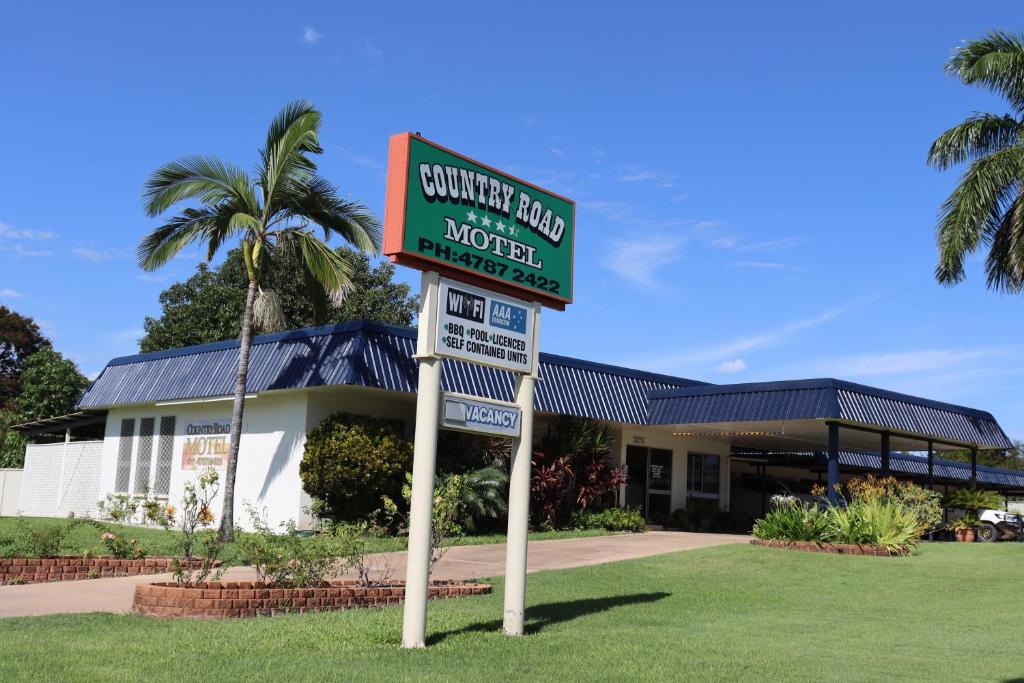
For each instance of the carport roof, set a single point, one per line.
(741, 405)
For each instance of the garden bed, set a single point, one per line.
(18, 570)
(837, 548)
(234, 599)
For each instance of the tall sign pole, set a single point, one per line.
(519, 500)
(421, 505)
(493, 249)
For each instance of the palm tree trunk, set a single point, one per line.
(227, 520)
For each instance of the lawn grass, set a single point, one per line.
(737, 613)
(157, 541)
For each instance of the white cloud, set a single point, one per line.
(658, 179)
(889, 363)
(682, 196)
(311, 36)
(702, 357)
(731, 366)
(10, 294)
(8, 232)
(358, 159)
(639, 261)
(21, 250)
(558, 153)
(94, 255)
(771, 245)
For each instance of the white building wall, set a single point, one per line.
(10, 491)
(273, 433)
(60, 479)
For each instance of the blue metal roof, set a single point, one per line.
(826, 399)
(905, 464)
(367, 354)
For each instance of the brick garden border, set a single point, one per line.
(234, 599)
(836, 548)
(17, 570)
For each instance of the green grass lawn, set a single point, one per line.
(737, 613)
(157, 541)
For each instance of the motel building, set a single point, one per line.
(151, 422)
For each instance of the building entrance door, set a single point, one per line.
(650, 481)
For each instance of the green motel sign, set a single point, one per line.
(448, 213)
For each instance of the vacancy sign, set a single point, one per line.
(483, 327)
(480, 416)
(464, 219)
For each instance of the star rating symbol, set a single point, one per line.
(485, 221)
(513, 231)
(471, 217)
(499, 226)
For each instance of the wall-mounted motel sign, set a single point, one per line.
(483, 327)
(451, 214)
(472, 414)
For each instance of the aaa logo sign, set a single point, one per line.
(446, 212)
(206, 444)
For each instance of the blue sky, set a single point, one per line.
(752, 199)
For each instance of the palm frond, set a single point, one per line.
(976, 137)
(968, 212)
(1004, 267)
(163, 243)
(205, 178)
(323, 264)
(293, 135)
(317, 201)
(995, 62)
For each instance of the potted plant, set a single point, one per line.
(963, 528)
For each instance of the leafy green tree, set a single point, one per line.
(286, 208)
(987, 206)
(50, 385)
(1010, 459)
(19, 338)
(207, 307)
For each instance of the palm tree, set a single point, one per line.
(987, 207)
(272, 215)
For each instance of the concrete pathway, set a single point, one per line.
(460, 562)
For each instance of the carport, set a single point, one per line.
(834, 421)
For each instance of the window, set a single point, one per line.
(702, 475)
(124, 455)
(164, 455)
(144, 454)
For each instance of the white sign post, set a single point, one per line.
(424, 456)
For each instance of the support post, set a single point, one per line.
(833, 461)
(519, 512)
(974, 465)
(421, 506)
(764, 488)
(519, 497)
(931, 478)
(885, 454)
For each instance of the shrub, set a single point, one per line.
(286, 559)
(925, 504)
(197, 532)
(571, 469)
(611, 519)
(791, 519)
(351, 462)
(38, 540)
(121, 547)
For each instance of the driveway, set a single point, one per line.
(461, 562)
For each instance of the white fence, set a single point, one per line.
(10, 491)
(61, 478)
